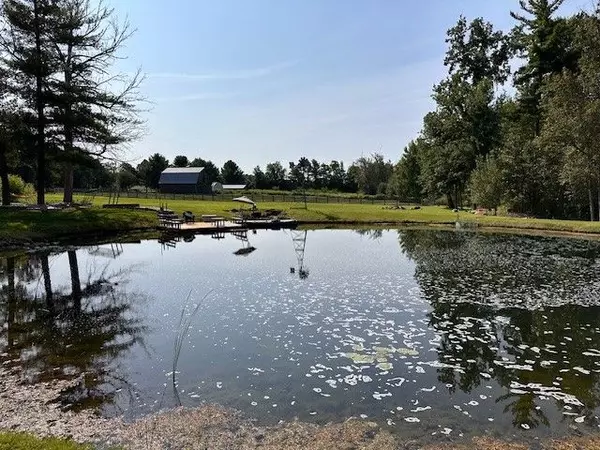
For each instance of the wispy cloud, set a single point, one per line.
(241, 74)
(196, 97)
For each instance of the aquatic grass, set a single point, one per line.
(183, 330)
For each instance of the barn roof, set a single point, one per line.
(180, 175)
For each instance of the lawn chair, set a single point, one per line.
(189, 217)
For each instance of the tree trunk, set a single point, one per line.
(449, 200)
(68, 188)
(39, 103)
(75, 281)
(11, 301)
(4, 176)
(68, 131)
(591, 200)
(598, 202)
(456, 204)
(47, 282)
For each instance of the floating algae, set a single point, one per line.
(379, 355)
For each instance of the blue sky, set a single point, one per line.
(264, 80)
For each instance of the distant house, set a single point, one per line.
(218, 188)
(234, 187)
(184, 180)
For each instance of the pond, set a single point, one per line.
(428, 332)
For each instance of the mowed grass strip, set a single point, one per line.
(36, 225)
(331, 213)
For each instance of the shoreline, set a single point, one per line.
(30, 408)
(101, 235)
(23, 229)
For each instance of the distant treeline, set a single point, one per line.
(368, 175)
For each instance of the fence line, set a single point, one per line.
(257, 197)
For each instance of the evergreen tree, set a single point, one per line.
(95, 110)
(232, 174)
(151, 168)
(181, 161)
(260, 179)
(30, 58)
(546, 42)
(211, 171)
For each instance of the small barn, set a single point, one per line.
(184, 180)
(218, 188)
(234, 187)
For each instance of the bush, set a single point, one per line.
(486, 184)
(18, 187)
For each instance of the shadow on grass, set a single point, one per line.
(327, 216)
(47, 224)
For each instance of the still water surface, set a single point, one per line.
(431, 333)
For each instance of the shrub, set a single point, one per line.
(18, 187)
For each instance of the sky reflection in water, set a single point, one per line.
(429, 332)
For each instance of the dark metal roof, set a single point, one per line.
(180, 175)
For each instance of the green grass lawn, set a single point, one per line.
(366, 214)
(39, 226)
(20, 441)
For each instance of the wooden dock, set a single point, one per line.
(210, 227)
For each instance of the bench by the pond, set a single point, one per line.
(169, 220)
(189, 217)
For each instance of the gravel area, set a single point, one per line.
(214, 427)
(30, 408)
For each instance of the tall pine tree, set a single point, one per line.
(546, 42)
(29, 57)
(96, 109)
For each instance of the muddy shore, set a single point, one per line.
(32, 409)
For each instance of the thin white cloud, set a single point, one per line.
(196, 97)
(241, 74)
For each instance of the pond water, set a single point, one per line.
(430, 333)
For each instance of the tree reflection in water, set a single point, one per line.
(76, 333)
(522, 311)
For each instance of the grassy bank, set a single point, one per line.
(19, 225)
(21, 441)
(357, 214)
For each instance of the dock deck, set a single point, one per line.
(209, 227)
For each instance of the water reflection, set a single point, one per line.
(76, 332)
(450, 330)
(521, 311)
(375, 234)
(299, 242)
